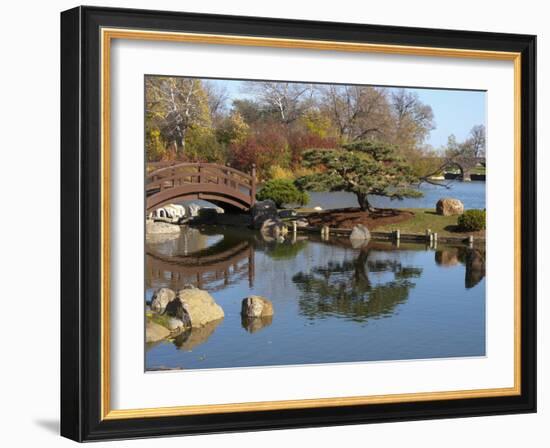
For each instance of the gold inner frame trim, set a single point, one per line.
(107, 35)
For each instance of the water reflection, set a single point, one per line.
(472, 258)
(255, 324)
(324, 292)
(207, 260)
(190, 339)
(345, 289)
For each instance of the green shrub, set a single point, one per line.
(472, 220)
(282, 191)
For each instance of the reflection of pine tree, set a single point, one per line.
(344, 289)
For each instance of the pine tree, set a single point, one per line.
(363, 168)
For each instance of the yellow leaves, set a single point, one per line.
(317, 123)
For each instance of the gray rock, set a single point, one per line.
(193, 210)
(256, 306)
(262, 211)
(449, 207)
(161, 298)
(360, 233)
(194, 307)
(155, 332)
(175, 324)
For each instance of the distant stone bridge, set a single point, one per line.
(465, 165)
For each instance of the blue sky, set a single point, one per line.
(455, 111)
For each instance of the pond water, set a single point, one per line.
(332, 302)
(472, 195)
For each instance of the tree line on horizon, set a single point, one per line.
(275, 123)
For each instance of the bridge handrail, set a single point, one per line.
(204, 175)
(214, 166)
(201, 180)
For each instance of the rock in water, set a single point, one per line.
(174, 324)
(360, 233)
(161, 298)
(262, 211)
(155, 332)
(194, 307)
(449, 207)
(256, 306)
(193, 210)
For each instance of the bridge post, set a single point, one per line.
(253, 186)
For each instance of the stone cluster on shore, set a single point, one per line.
(191, 309)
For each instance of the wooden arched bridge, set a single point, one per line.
(219, 184)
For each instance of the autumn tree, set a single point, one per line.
(413, 120)
(217, 97)
(287, 101)
(249, 110)
(358, 112)
(232, 129)
(363, 168)
(473, 146)
(174, 106)
(265, 147)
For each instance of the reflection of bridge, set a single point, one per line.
(209, 181)
(204, 271)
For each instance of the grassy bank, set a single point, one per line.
(427, 218)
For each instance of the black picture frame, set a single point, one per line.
(81, 209)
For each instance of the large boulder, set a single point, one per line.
(193, 210)
(194, 307)
(449, 207)
(256, 306)
(261, 211)
(156, 227)
(360, 233)
(175, 325)
(155, 332)
(161, 298)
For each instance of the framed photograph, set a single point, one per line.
(272, 224)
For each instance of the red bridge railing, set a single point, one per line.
(203, 181)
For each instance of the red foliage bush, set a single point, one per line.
(300, 141)
(265, 146)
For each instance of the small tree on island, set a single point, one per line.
(363, 168)
(282, 191)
